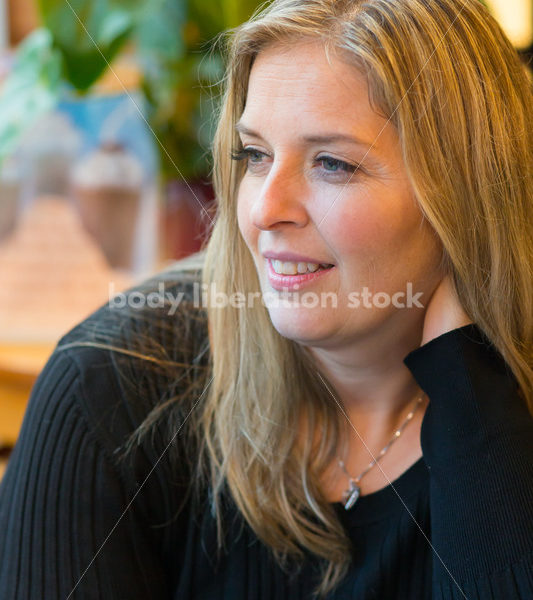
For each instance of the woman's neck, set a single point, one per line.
(370, 381)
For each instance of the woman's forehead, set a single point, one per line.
(307, 61)
(303, 91)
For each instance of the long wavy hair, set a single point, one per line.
(454, 88)
(450, 82)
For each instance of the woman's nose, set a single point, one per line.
(281, 200)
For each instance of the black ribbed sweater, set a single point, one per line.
(75, 523)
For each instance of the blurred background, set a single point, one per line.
(107, 112)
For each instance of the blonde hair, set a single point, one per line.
(453, 86)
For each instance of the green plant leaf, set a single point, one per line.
(31, 89)
(89, 34)
(115, 26)
(159, 33)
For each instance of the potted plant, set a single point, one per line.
(180, 74)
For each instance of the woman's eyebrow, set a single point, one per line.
(311, 139)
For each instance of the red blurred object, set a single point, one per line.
(186, 217)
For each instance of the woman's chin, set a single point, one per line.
(328, 327)
(300, 324)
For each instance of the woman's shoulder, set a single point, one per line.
(138, 353)
(98, 500)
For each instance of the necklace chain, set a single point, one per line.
(351, 495)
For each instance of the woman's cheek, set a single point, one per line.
(358, 233)
(243, 216)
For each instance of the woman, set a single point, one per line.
(353, 418)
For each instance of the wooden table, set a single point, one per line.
(20, 364)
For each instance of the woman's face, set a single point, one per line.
(302, 201)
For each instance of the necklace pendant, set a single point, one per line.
(351, 495)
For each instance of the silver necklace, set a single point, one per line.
(351, 495)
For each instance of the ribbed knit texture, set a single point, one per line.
(457, 524)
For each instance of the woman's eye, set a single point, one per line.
(333, 165)
(246, 153)
(329, 164)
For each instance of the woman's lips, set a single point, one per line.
(293, 282)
